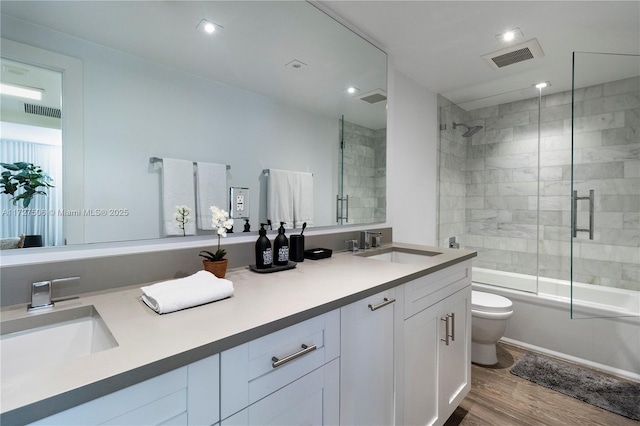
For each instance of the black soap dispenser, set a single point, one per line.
(264, 255)
(281, 248)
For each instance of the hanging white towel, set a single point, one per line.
(303, 199)
(290, 198)
(280, 198)
(197, 289)
(212, 191)
(178, 189)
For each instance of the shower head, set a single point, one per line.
(470, 130)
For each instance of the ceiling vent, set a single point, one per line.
(513, 54)
(42, 110)
(374, 96)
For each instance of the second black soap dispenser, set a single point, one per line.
(281, 248)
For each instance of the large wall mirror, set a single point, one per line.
(268, 89)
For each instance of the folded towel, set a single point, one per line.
(178, 189)
(303, 199)
(197, 289)
(212, 191)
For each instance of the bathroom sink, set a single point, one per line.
(400, 255)
(45, 340)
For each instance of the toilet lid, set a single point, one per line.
(487, 302)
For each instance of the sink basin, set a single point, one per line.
(45, 340)
(397, 255)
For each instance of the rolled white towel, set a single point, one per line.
(197, 289)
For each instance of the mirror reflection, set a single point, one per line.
(266, 91)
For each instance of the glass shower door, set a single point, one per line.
(605, 186)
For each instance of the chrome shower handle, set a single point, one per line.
(591, 215)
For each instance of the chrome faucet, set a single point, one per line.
(366, 241)
(41, 294)
(353, 245)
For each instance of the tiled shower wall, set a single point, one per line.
(502, 189)
(365, 173)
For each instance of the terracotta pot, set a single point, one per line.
(217, 267)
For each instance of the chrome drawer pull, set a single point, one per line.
(446, 329)
(453, 326)
(305, 350)
(382, 305)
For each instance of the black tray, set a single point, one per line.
(318, 253)
(274, 268)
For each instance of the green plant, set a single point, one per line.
(26, 176)
(214, 257)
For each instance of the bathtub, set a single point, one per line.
(604, 332)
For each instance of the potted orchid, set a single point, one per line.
(216, 262)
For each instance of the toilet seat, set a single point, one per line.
(490, 303)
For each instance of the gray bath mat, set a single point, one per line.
(618, 396)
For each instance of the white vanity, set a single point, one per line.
(346, 340)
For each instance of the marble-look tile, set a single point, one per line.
(482, 113)
(609, 120)
(620, 187)
(515, 161)
(505, 243)
(482, 215)
(610, 253)
(632, 169)
(603, 170)
(558, 187)
(610, 220)
(631, 220)
(556, 142)
(587, 139)
(518, 188)
(620, 237)
(507, 120)
(555, 158)
(518, 106)
(474, 203)
(524, 260)
(507, 203)
(611, 153)
(631, 272)
(547, 217)
(613, 103)
(482, 228)
(552, 173)
(632, 117)
(631, 84)
(517, 230)
(475, 164)
(493, 136)
(621, 136)
(555, 248)
(553, 113)
(524, 146)
(528, 174)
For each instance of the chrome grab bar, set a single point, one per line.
(305, 350)
(386, 301)
(575, 214)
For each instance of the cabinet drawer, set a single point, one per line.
(311, 400)
(248, 373)
(430, 289)
(156, 400)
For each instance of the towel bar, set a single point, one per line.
(159, 160)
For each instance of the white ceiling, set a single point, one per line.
(440, 43)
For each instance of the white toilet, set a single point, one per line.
(489, 314)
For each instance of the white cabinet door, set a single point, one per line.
(455, 359)
(437, 360)
(311, 400)
(420, 365)
(367, 360)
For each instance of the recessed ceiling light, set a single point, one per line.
(21, 91)
(510, 35)
(208, 26)
(542, 85)
(352, 90)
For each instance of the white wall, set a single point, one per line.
(412, 148)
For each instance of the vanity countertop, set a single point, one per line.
(150, 344)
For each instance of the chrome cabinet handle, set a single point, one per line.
(447, 335)
(305, 350)
(446, 329)
(386, 301)
(575, 213)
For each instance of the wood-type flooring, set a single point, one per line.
(498, 398)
